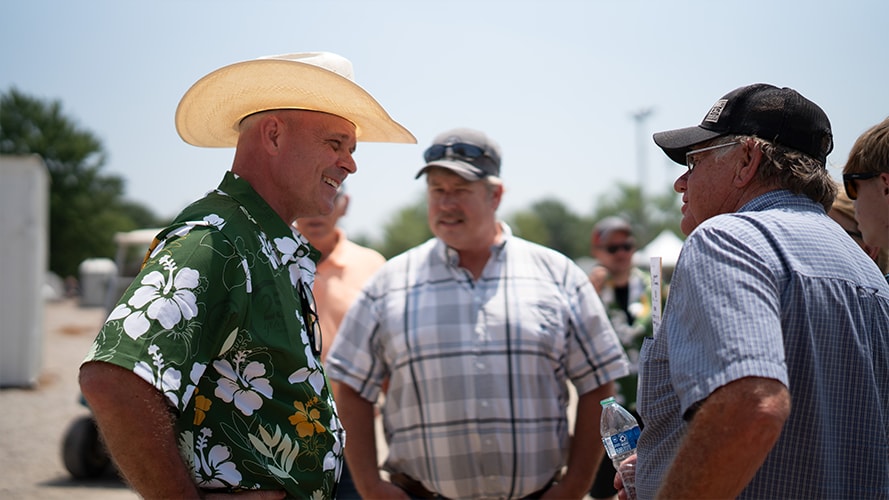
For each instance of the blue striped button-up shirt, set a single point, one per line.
(777, 290)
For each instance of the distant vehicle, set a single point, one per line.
(131, 249)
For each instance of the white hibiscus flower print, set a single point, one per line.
(167, 380)
(293, 253)
(197, 370)
(169, 299)
(295, 275)
(334, 458)
(289, 249)
(269, 251)
(215, 220)
(213, 468)
(312, 372)
(242, 386)
(246, 267)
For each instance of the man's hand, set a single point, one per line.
(598, 277)
(622, 493)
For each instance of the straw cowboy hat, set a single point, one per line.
(211, 110)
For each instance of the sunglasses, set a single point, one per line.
(849, 182)
(626, 247)
(461, 149)
(307, 302)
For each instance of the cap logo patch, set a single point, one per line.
(715, 111)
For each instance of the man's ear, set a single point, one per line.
(749, 166)
(342, 204)
(270, 130)
(497, 195)
(884, 185)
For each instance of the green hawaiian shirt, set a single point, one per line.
(216, 321)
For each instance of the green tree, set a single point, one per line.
(407, 228)
(648, 215)
(141, 215)
(552, 224)
(86, 207)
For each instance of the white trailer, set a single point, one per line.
(24, 262)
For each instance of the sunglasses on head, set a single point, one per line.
(461, 149)
(849, 182)
(626, 247)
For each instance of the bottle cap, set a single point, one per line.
(607, 401)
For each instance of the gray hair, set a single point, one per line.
(797, 172)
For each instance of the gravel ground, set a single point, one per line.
(34, 420)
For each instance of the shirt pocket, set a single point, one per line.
(654, 372)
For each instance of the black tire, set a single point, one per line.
(83, 452)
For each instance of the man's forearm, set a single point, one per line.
(728, 439)
(586, 448)
(137, 429)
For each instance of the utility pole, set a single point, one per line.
(639, 117)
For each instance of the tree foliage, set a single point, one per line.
(552, 224)
(649, 215)
(86, 207)
(549, 222)
(407, 228)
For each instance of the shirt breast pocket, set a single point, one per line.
(544, 324)
(654, 370)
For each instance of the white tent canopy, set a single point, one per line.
(666, 246)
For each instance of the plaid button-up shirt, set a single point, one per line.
(478, 369)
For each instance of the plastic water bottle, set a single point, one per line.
(620, 431)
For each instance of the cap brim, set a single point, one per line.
(676, 143)
(463, 169)
(211, 110)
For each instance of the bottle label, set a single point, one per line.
(621, 442)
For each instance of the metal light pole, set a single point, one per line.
(640, 117)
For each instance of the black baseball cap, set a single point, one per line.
(778, 115)
(467, 152)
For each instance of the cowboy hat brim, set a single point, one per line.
(211, 110)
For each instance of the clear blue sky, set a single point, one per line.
(554, 81)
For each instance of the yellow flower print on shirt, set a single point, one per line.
(306, 418)
(201, 407)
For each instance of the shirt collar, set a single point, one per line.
(451, 256)
(773, 199)
(262, 214)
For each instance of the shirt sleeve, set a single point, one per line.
(354, 357)
(166, 326)
(724, 321)
(594, 354)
